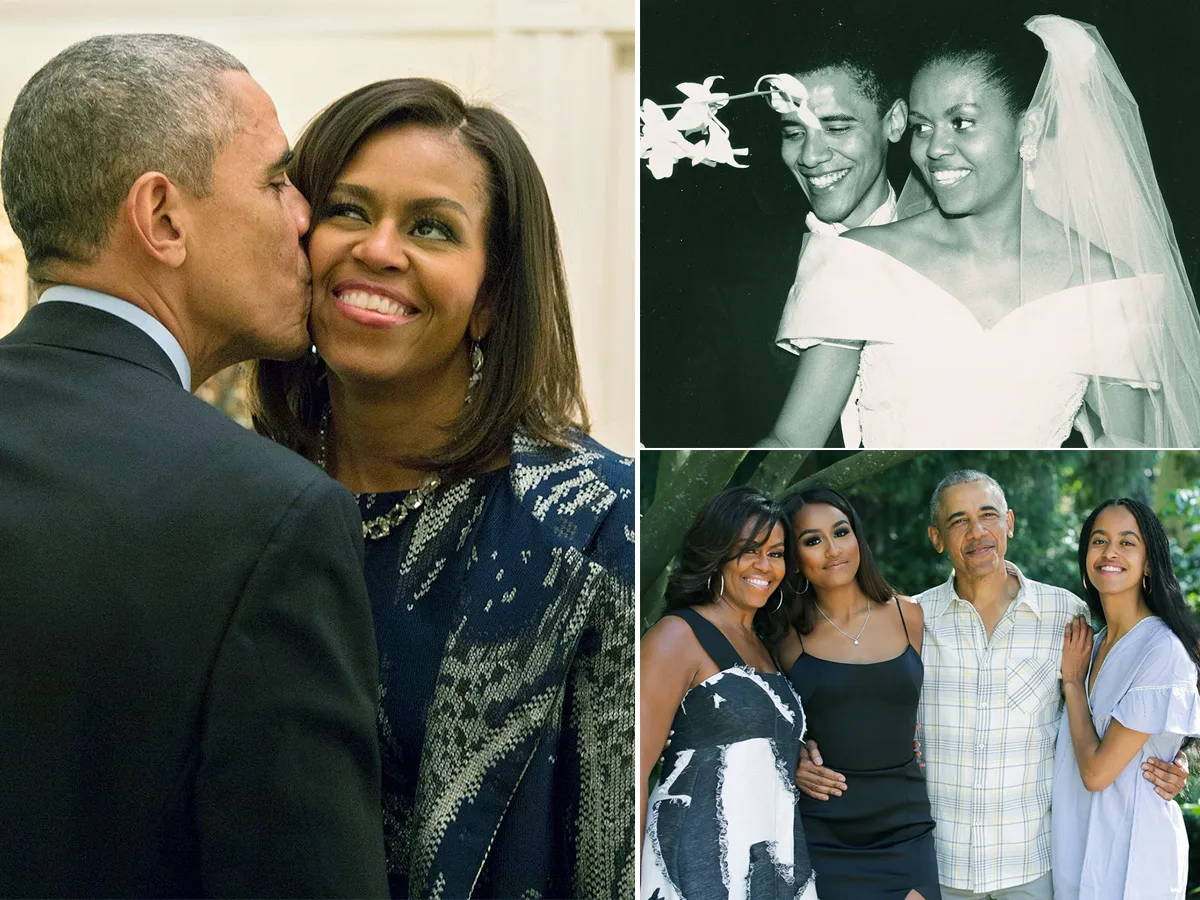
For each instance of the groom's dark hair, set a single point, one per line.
(867, 48)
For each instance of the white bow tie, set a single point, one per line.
(816, 226)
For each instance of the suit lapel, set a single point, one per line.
(527, 594)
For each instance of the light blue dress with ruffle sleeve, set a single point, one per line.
(1126, 842)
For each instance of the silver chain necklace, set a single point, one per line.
(381, 526)
(835, 625)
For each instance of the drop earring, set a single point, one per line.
(1028, 154)
(476, 370)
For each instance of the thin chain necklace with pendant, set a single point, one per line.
(381, 526)
(835, 625)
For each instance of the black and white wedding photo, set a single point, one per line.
(996, 209)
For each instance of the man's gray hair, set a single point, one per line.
(95, 118)
(961, 476)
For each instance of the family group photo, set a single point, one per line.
(857, 217)
(317, 516)
(918, 674)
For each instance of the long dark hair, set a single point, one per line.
(1164, 596)
(530, 378)
(869, 578)
(716, 537)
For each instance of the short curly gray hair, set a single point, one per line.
(96, 117)
(960, 476)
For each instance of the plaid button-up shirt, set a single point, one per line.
(989, 718)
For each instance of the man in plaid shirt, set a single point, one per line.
(990, 704)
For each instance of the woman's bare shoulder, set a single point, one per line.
(670, 636)
(910, 608)
(900, 238)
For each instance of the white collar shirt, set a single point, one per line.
(989, 716)
(885, 215)
(134, 315)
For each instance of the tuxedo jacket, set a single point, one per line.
(188, 670)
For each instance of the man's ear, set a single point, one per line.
(935, 538)
(896, 121)
(156, 212)
(1012, 521)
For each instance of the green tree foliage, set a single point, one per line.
(1050, 493)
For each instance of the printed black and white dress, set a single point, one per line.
(722, 822)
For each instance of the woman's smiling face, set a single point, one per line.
(751, 577)
(399, 254)
(965, 139)
(1116, 556)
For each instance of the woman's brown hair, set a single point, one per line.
(530, 378)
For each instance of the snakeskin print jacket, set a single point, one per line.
(526, 781)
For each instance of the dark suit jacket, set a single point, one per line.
(188, 670)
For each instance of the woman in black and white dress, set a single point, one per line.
(721, 719)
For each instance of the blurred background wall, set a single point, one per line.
(563, 70)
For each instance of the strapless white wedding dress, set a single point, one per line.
(931, 376)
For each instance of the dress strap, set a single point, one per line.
(900, 609)
(715, 644)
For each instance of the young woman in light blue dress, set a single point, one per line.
(1131, 694)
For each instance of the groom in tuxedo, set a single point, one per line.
(856, 91)
(188, 671)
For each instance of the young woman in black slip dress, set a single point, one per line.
(854, 657)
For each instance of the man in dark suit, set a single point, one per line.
(188, 671)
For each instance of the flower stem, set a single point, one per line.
(730, 97)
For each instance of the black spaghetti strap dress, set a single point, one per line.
(875, 842)
(722, 821)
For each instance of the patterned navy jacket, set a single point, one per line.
(526, 780)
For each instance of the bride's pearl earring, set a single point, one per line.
(1028, 154)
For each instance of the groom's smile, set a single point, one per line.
(841, 165)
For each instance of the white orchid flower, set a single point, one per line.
(662, 144)
(700, 108)
(789, 95)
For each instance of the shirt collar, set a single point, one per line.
(947, 595)
(134, 315)
(882, 216)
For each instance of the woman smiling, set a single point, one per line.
(1131, 694)
(720, 718)
(1032, 220)
(445, 392)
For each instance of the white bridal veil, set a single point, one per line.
(1093, 220)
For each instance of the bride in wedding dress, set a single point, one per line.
(1032, 284)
